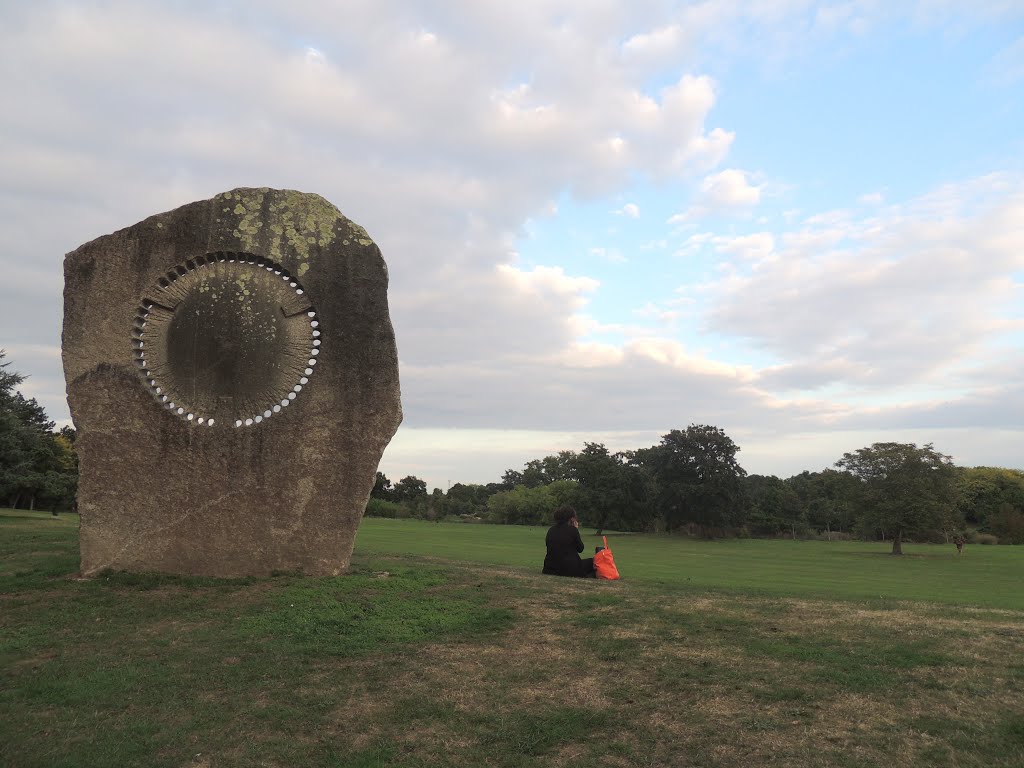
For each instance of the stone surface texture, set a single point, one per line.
(160, 492)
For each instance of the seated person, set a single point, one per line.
(564, 546)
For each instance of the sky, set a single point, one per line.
(799, 221)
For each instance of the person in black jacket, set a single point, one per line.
(564, 546)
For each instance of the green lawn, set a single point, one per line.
(444, 646)
(984, 576)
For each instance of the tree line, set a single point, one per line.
(38, 466)
(692, 482)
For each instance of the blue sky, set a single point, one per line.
(799, 220)
(864, 120)
(856, 123)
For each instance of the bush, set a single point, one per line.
(1008, 524)
(388, 509)
(984, 538)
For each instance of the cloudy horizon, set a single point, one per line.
(801, 221)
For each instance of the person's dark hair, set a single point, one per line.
(564, 514)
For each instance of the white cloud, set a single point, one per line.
(730, 187)
(656, 43)
(315, 57)
(909, 298)
(549, 281)
(632, 210)
(694, 244)
(725, 190)
(755, 247)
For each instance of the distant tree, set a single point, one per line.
(510, 478)
(539, 472)
(530, 506)
(774, 506)
(610, 491)
(829, 499)
(468, 499)
(904, 490)
(698, 477)
(987, 493)
(1007, 523)
(37, 466)
(409, 488)
(434, 505)
(382, 488)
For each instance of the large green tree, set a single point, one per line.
(538, 472)
(409, 489)
(698, 478)
(610, 491)
(37, 466)
(904, 490)
(381, 487)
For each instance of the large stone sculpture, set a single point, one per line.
(232, 373)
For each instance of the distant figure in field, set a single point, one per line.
(564, 546)
(959, 541)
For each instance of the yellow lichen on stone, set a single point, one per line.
(249, 208)
(361, 235)
(307, 220)
(295, 221)
(302, 268)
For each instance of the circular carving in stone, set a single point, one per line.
(226, 339)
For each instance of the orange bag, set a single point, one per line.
(604, 563)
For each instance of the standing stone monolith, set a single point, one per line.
(232, 373)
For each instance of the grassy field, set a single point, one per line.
(445, 647)
(983, 576)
